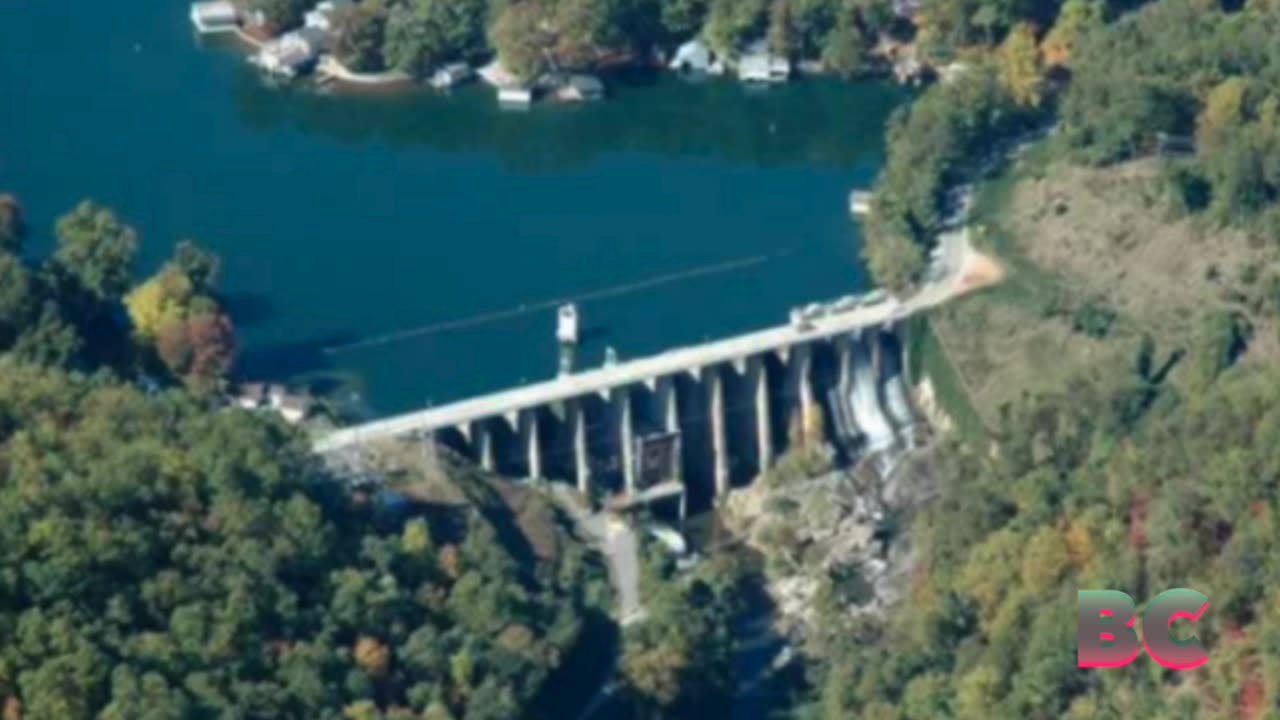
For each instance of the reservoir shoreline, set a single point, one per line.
(341, 219)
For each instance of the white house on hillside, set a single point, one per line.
(324, 16)
(293, 53)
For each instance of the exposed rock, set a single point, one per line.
(832, 534)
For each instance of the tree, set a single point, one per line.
(372, 656)
(212, 340)
(1223, 114)
(201, 267)
(522, 44)
(17, 298)
(1020, 66)
(731, 23)
(895, 261)
(782, 31)
(844, 47)
(50, 340)
(683, 18)
(360, 36)
(583, 28)
(421, 34)
(1076, 18)
(96, 251)
(13, 226)
(163, 297)
(176, 312)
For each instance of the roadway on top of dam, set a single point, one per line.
(960, 275)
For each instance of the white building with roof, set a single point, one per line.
(451, 75)
(692, 56)
(760, 65)
(214, 17)
(324, 16)
(293, 53)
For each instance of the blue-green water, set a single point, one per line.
(340, 219)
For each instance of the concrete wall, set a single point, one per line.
(734, 420)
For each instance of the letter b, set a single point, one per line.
(1104, 630)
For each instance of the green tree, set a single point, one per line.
(1076, 18)
(895, 261)
(584, 28)
(360, 36)
(524, 48)
(732, 23)
(422, 34)
(1021, 71)
(683, 18)
(13, 225)
(96, 251)
(18, 299)
(782, 31)
(844, 47)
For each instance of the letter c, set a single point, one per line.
(1157, 629)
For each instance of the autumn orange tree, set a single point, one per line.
(177, 315)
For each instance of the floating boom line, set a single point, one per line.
(544, 305)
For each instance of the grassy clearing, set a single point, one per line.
(1014, 339)
(1095, 259)
(928, 359)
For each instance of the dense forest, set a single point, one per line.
(161, 557)
(1131, 486)
(1189, 80)
(1121, 478)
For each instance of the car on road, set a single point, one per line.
(875, 297)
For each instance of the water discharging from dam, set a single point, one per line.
(896, 396)
(865, 399)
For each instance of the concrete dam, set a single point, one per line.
(686, 436)
(693, 422)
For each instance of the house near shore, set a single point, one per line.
(324, 16)
(860, 203)
(251, 396)
(451, 75)
(292, 54)
(217, 16)
(512, 92)
(293, 407)
(693, 57)
(515, 96)
(758, 64)
(581, 88)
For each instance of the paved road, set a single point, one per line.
(621, 550)
(957, 255)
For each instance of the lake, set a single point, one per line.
(413, 247)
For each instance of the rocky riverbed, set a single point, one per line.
(837, 537)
